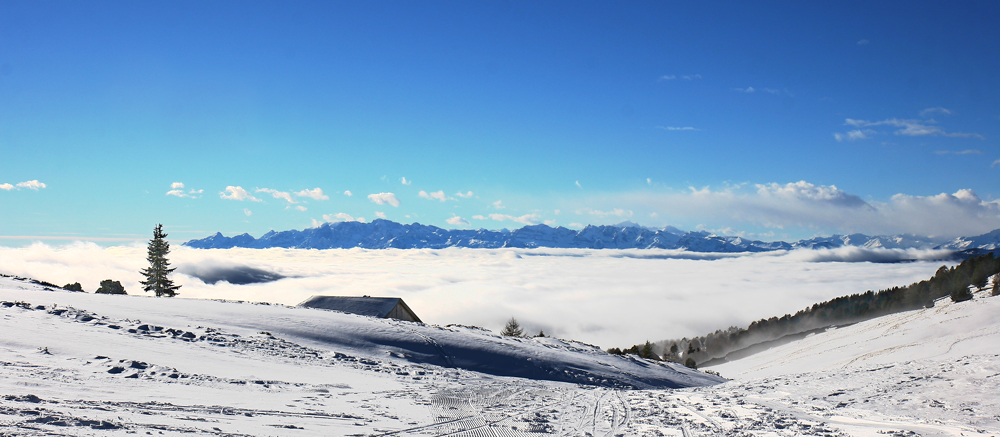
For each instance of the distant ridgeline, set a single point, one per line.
(734, 343)
(384, 234)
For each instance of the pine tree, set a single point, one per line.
(159, 267)
(513, 329)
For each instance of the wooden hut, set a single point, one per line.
(380, 307)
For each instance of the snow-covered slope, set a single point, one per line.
(84, 364)
(382, 234)
(948, 331)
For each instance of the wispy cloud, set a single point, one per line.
(995, 163)
(912, 128)
(177, 189)
(404, 181)
(959, 152)
(300, 208)
(685, 77)
(675, 128)
(498, 204)
(854, 135)
(458, 221)
(348, 193)
(578, 184)
(315, 194)
(380, 215)
(465, 195)
(748, 89)
(384, 198)
(437, 195)
(342, 217)
(806, 206)
(617, 212)
(936, 110)
(31, 185)
(238, 193)
(277, 194)
(863, 42)
(527, 219)
(247, 212)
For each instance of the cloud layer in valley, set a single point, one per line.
(603, 297)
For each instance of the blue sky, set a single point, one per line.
(773, 120)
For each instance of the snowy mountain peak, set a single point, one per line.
(382, 234)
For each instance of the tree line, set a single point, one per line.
(955, 282)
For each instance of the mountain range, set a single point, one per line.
(385, 234)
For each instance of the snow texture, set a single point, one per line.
(84, 364)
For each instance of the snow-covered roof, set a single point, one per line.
(380, 307)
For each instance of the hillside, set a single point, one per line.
(85, 364)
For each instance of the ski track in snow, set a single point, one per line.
(178, 379)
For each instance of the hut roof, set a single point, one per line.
(366, 306)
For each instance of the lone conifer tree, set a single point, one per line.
(156, 274)
(513, 329)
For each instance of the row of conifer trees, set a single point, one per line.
(947, 281)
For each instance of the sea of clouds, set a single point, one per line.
(602, 297)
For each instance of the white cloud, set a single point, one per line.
(668, 77)
(691, 76)
(437, 195)
(384, 198)
(301, 208)
(863, 42)
(315, 193)
(936, 110)
(277, 194)
(588, 289)
(824, 208)
(498, 204)
(675, 128)
(247, 212)
(959, 152)
(6, 187)
(649, 181)
(342, 217)
(380, 215)
(527, 219)
(803, 190)
(617, 212)
(464, 196)
(577, 225)
(995, 163)
(178, 190)
(748, 89)
(912, 128)
(578, 184)
(238, 193)
(855, 135)
(34, 185)
(348, 193)
(458, 221)
(549, 222)
(404, 181)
